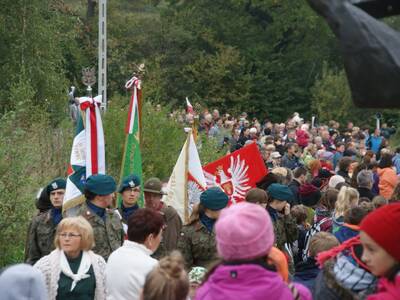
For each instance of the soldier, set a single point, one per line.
(197, 239)
(105, 221)
(285, 227)
(152, 197)
(130, 193)
(40, 240)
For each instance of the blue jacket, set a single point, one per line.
(396, 162)
(374, 142)
(290, 163)
(345, 233)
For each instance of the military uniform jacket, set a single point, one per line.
(108, 234)
(40, 240)
(171, 233)
(197, 245)
(286, 231)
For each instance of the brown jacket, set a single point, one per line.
(171, 233)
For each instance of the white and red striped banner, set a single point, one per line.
(95, 152)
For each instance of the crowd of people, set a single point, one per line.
(322, 224)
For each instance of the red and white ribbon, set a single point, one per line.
(134, 83)
(95, 151)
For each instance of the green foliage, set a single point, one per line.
(332, 91)
(30, 156)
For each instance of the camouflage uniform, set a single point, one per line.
(286, 231)
(197, 245)
(40, 241)
(108, 234)
(171, 233)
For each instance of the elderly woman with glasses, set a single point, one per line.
(72, 270)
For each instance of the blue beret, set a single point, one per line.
(214, 198)
(56, 184)
(101, 184)
(129, 181)
(280, 192)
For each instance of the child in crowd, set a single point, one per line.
(380, 237)
(347, 198)
(299, 213)
(307, 271)
(350, 227)
(168, 280)
(325, 208)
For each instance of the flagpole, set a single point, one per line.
(186, 199)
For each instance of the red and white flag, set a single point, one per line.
(236, 173)
(187, 180)
(88, 154)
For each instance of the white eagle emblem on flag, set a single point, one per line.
(194, 192)
(234, 182)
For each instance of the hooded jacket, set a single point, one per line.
(247, 282)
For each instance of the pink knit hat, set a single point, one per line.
(244, 231)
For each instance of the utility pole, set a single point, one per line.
(102, 73)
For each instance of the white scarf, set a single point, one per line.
(83, 268)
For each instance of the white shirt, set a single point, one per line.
(126, 271)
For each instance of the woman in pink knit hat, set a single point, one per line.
(245, 236)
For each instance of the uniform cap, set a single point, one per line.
(101, 184)
(214, 198)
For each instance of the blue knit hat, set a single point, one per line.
(129, 181)
(214, 198)
(101, 184)
(280, 192)
(56, 184)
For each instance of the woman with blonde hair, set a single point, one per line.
(168, 280)
(347, 198)
(72, 270)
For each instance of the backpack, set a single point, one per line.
(310, 233)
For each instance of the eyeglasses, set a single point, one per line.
(69, 235)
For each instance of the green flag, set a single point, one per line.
(132, 158)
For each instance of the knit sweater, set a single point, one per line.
(49, 265)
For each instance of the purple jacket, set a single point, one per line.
(247, 282)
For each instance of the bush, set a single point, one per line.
(30, 156)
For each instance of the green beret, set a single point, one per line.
(280, 192)
(101, 184)
(56, 184)
(214, 198)
(129, 181)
